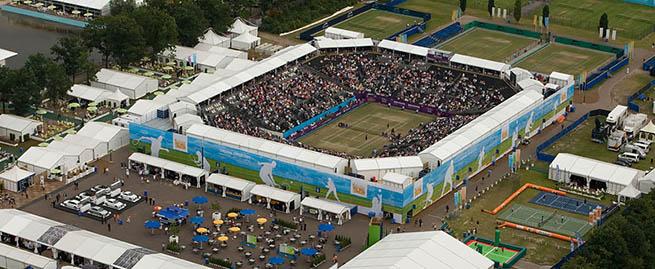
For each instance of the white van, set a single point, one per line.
(616, 116)
(630, 157)
(634, 149)
(645, 147)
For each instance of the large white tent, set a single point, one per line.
(39, 160)
(567, 166)
(344, 43)
(114, 98)
(338, 33)
(11, 257)
(240, 26)
(470, 61)
(403, 47)
(92, 247)
(419, 250)
(17, 128)
(4, 55)
(112, 136)
(182, 122)
(340, 212)
(229, 186)
(166, 165)
(134, 86)
(213, 39)
(273, 195)
(378, 167)
(85, 155)
(245, 41)
(98, 148)
(16, 179)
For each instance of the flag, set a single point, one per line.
(195, 59)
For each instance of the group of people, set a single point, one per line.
(284, 99)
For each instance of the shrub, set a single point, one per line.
(287, 224)
(220, 262)
(174, 247)
(318, 259)
(344, 240)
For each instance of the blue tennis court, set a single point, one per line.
(564, 203)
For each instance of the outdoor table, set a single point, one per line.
(319, 247)
(276, 227)
(195, 250)
(240, 248)
(260, 238)
(215, 250)
(311, 237)
(297, 236)
(248, 254)
(262, 257)
(271, 246)
(268, 265)
(242, 233)
(266, 250)
(251, 261)
(286, 231)
(293, 240)
(215, 234)
(267, 233)
(303, 242)
(278, 236)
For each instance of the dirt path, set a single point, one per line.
(279, 40)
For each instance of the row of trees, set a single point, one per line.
(627, 240)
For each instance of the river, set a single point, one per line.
(27, 36)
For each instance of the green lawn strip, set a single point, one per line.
(487, 44)
(564, 59)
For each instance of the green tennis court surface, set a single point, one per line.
(565, 59)
(366, 124)
(487, 44)
(378, 24)
(497, 254)
(545, 220)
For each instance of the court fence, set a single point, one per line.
(503, 28)
(308, 34)
(440, 36)
(543, 156)
(604, 72)
(639, 95)
(649, 64)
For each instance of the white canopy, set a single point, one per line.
(344, 43)
(15, 174)
(240, 27)
(378, 167)
(396, 179)
(91, 94)
(649, 128)
(404, 47)
(327, 206)
(120, 79)
(212, 38)
(275, 194)
(166, 164)
(480, 63)
(246, 38)
(41, 157)
(18, 124)
(25, 257)
(338, 33)
(6, 54)
(92, 4)
(630, 191)
(419, 250)
(230, 182)
(162, 261)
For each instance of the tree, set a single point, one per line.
(217, 14)
(462, 5)
(24, 93)
(5, 94)
(71, 53)
(189, 25)
(124, 40)
(490, 6)
(50, 77)
(604, 23)
(545, 13)
(517, 10)
(118, 7)
(159, 29)
(95, 37)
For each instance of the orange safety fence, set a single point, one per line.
(518, 192)
(537, 231)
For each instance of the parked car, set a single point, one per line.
(101, 189)
(629, 157)
(71, 204)
(98, 212)
(623, 163)
(129, 196)
(645, 147)
(114, 204)
(84, 196)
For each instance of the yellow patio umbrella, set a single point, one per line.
(39, 4)
(41, 112)
(148, 74)
(52, 7)
(232, 215)
(73, 105)
(222, 238)
(202, 230)
(76, 12)
(186, 81)
(171, 63)
(71, 131)
(234, 229)
(121, 110)
(92, 109)
(167, 77)
(88, 14)
(188, 68)
(158, 93)
(44, 144)
(261, 221)
(167, 68)
(93, 104)
(218, 222)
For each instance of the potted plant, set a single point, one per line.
(344, 241)
(286, 224)
(317, 260)
(220, 263)
(174, 230)
(173, 247)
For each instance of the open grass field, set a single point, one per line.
(366, 124)
(565, 59)
(579, 142)
(496, 254)
(487, 44)
(631, 20)
(377, 24)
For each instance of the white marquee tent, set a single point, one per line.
(338, 33)
(480, 63)
(341, 212)
(229, 185)
(419, 250)
(11, 257)
(92, 94)
(213, 39)
(4, 55)
(112, 136)
(134, 86)
(404, 47)
(245, 41)
(378, 167)
(17, 128)
(182, 122)
(272, 195)
(240, 26)
(163, 164)
(16, 179)
(344, 43)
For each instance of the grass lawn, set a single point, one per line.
(565, 59)
(540, 249)
(496, 254)
(579, 142)
(367, 121)
(630, 20)
(377, 24)
(487, 44)
(634, 84)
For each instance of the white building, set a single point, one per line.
(182, 122)
(378, 167)
(205, 58)
(111, 137)
(134, 86)
(4, 55)
(40, 160)
(213, 39)
(89, 94)
(229, 186)
(16, 180)
(11, 257)
(18, 129)
(419, 250)
(338, 33)
(245, 41)
(240, 26)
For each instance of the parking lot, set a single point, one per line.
(100, 202)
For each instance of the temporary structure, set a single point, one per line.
(16, 179)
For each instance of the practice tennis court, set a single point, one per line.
(497, 254)
(565, 203)
(546, 220)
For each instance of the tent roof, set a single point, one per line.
(182, 105)
(597, 170)
(187, 119)
(246, 38)
(324, 205)
(202, 57)
(94, 4)
(41, 157)
(15, 174)
(531, 84)
(17, 123)
(104, 132)
(6, 54)
(212, 38)
(222, 51)
(230, 182)
(403, 47)
(166, 164)
(344, 32)
(481, 63)
(419, 250)
(274, 193)
(649, 128)
(343, 43)
(144, 106)
(561, 76)
(162, 261)
(27, 257)
(88, 93)
(84, 141)
(630, 191)
(240, 27)
(67, 148)
(120, 79)
(387, 163)
(396, 178)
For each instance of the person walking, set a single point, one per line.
(108, 226)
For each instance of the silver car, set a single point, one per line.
(114, 204)
(129, 196)
(71, 204)
(98, 212)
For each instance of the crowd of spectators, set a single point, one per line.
(281, 100)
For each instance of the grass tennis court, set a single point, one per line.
(546, 220)
(497, 254)
(487, 44)
(566, 203)
(378, 24)
(565, 59)
(368, 120)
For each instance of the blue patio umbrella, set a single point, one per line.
(200, 200)
(325, 227)
(173, 213)
(247, 211)
(152, 224)
(200, 239)
(277, 260)
(308, 251)
(197, 220)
